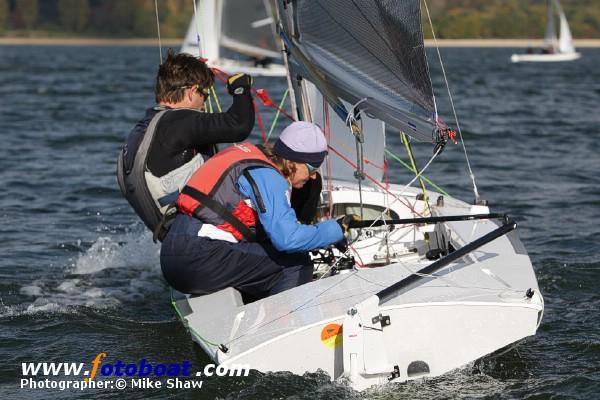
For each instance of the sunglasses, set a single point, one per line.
(203, 91)
(311, 169)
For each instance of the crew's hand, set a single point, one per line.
(346, 220)
(239, 84)
(342, 245)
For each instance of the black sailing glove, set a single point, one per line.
(239, 84)
(342, 246)
(346, 220)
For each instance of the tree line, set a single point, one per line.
(452, 19)
(97, 18)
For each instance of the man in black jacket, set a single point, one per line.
(176, 136)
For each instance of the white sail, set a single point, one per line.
(342, 150)
(235, 36)
(565, 42)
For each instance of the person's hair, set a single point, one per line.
(286, 169)
(177, 72)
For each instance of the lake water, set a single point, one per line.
(79, 276)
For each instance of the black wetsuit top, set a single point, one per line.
(183, 133)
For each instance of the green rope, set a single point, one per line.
(413, 162)
(278, 112)
(210, 107)
(216, 98)
(174, 304)
(395, 157)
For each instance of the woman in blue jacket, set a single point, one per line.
(235, 226)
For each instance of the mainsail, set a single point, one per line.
(369, 52)
(565, 42)
(341, 161)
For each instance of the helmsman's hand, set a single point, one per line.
(239, 84)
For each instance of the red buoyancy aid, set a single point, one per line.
(212, 196)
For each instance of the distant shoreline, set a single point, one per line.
(177, 42)
(504, 42)
(86, 42)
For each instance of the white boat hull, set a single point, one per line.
(422, 340)
(476, 305)
(556, 57)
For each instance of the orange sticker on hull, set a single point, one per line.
(331, 335)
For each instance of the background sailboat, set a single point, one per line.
(235, 36)
(554, 49)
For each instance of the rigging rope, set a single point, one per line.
(475, 191)
(182, 318)
(351, 122)
(261, 124)
(437, 152)
(210, 107)
(411, 156)
(376, 181)
(263, 95)
(404, 164)
(278, 112)
(328, 165)
(212, 88)
(158, 31)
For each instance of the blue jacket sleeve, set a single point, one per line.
(279, 219)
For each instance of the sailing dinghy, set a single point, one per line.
(554, 50)
(235, 36)
(430, 283)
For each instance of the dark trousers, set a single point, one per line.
(199, 265)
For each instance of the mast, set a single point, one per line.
(550, 40)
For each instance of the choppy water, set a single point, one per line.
(78, 276)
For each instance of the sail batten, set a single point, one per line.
(370, 51)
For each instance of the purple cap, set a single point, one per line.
(302, 142)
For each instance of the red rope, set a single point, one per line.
(262, 94)
(367, 161)
(220, 74)
(386, 175)
(261, 124)
(267, 102)
(376, 182)
(327, 131)
(360, 262)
